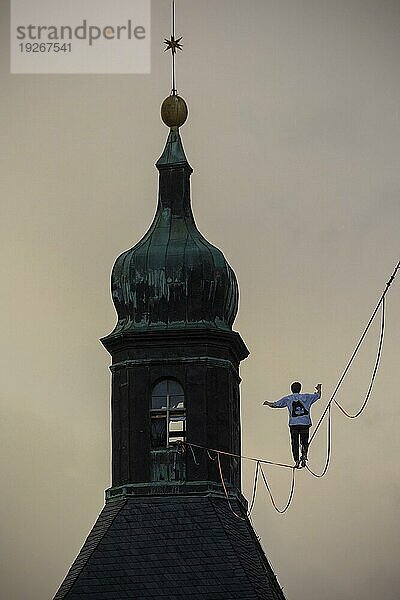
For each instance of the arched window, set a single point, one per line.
(167, 413)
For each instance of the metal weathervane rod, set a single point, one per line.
(173, 45)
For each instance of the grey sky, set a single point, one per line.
(293, 134)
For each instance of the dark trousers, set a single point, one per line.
(299, 433)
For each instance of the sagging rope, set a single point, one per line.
(355, 351)
(291, 493)
(343, 410)
(328, 449)
(258, 469)
(378, 358)
(382, 303)
(218, 459)
(260, 460)
(327, 411)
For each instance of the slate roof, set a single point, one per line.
(170, 548)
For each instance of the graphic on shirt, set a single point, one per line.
(298, 409)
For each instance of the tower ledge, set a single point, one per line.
(193, 488)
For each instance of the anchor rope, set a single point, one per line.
(327, 411)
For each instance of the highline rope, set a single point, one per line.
(259, 462)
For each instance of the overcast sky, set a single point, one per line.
(293, 134)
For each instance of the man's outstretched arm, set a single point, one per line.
(282, 403)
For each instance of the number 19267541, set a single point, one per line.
(45, 47)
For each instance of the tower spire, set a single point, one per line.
(173, 44)
(174, 109)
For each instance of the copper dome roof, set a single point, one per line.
(173, 278)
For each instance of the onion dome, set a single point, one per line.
(173, 277)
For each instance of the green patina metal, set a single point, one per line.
(173, 278)
(173, 153)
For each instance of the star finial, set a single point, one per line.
(173, 44)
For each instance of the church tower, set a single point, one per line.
(174, 523)
(175, 358)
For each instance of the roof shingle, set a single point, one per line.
(170, 547)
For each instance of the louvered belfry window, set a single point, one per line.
(167, 413)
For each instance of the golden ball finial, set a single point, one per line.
(174, 111)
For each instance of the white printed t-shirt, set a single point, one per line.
(298, 406)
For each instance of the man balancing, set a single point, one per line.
(299, 406)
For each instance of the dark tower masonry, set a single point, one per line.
(167, 530)
(176, 298)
